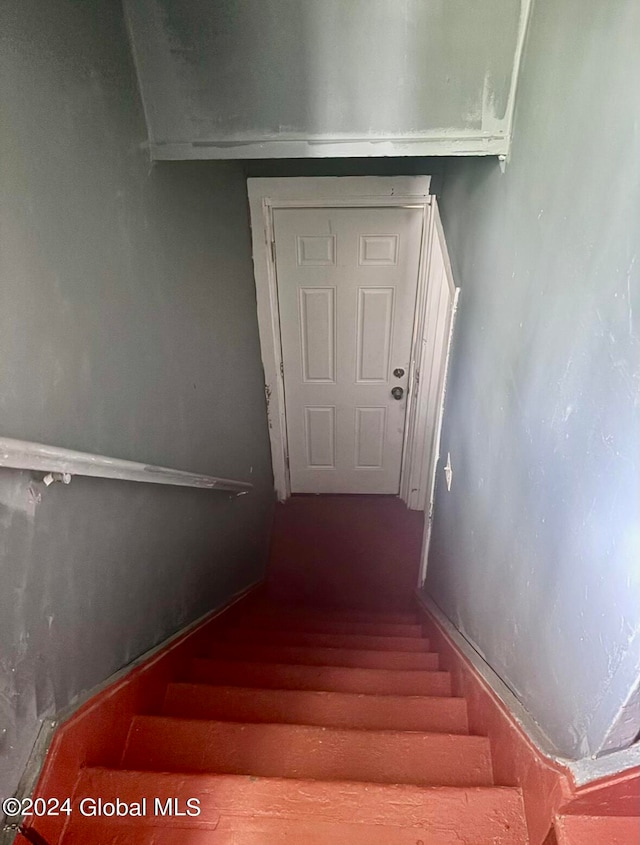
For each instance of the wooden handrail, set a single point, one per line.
(62, 464)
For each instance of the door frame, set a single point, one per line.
(267, 194)
(419, 475)
(427, 466)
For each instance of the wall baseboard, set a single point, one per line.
(83, 717)
(523, 755)
(523, 718)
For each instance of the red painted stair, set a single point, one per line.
(293, 623)
(311, 729)
(321, 656)
(315, 707)
(166, 744)
(328, 678)
(284, 614)
(329, 639)
(593, 830)
(354, 812)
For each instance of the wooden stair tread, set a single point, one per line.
(597, 830)
(277, 613)
(331, 709)
(165, 743)
(323, 656)
(324, 639)
(265, 810)
(330, 626)
(328, 678)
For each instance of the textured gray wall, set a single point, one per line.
(236, 71)
(535, 550)
(127, 327)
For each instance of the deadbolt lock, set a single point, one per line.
(398, 372)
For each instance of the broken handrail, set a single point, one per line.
(62, 464)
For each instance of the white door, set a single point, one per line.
(347, 280)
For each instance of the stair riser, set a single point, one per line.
(247, 831)
(295, 751)
(354, 617)
(296, 611)
(386, 712)
(329, 679)
(324, 656)
(365, 618)
(336, 627)
(325, 640)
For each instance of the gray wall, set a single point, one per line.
(535, 550)
(230, 76)
(128, 328)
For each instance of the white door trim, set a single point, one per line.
(430, 482)
(432, 338)
(324, 192)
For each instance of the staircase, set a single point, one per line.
(307, 729)
(585, 829)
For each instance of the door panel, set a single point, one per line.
(374, 335)
(317, 319)
(347, 280)
(319, 429)
(370, 433)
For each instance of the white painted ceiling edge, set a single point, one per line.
(218, 83)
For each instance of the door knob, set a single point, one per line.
(397, 392)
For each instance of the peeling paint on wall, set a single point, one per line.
(373, 77)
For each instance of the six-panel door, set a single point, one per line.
(347, 280)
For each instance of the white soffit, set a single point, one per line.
(302, 78)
